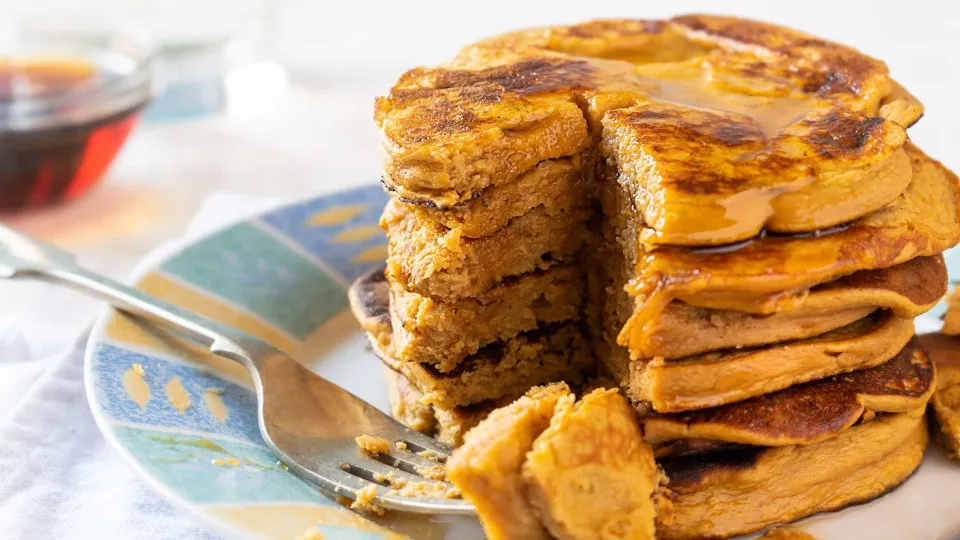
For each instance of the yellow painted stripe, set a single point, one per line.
(357, 234)
(336, 215)
(290, 521)
(374, 254)
(163, 287)
(126, 329)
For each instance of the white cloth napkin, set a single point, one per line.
(58, 476)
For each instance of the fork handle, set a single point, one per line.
(214, 334)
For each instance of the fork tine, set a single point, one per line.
(411, 461)
(424, 442)
(364, 464)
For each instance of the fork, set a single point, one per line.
(309, 422)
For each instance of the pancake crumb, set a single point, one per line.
(374, 445)
(364, 501)
(433, 473)
(786, 533)
(420, 490)
(401, 445)
(431, 455)
(138, 369)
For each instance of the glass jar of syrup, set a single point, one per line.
(70, 92)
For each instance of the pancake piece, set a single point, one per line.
(807, 413)
(717, 378)
(738, 492)
(442, 333)
(505, 369)
(509, 102)
(556, 185)
(945, 352)
(774, 273)
(689, 170)
(438, 262)
(487, 468)
(590, 475)
(447, 424)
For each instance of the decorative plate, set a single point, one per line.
(186, 421)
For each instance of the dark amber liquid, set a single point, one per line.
(53, 164)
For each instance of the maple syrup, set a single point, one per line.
(60, 128)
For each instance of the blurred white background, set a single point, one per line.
(317, 135)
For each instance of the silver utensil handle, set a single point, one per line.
(22, 257)
(125, 298)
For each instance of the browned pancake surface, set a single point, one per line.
(807, 413)
(774, 273)
(726, 494)
(507, 103)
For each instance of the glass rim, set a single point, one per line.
(92, 100)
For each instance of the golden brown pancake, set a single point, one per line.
(546, 467)
(407, 405)
(774, 273)
(508, 103)
(590, 475)
(721, 377)
(555, 185)
(908, 290)
(438, 262)
(505, 369)
(806, 413)
(448, 425)
(945, 352)
(443, 334)
(690, 170)
(487, 468)
(737, 492)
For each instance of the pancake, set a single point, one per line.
(807, 413)
(738, 492)
(945, 405)
(775, 273)
(432, 260)
(556, 185)
(505, 369)
(547, 467)
(443, 334)
(448, 425)
(689, 170)
(589, 475)
(487, 468)
(407, 405)
(722, 377)
(908, 290)
(507, 103)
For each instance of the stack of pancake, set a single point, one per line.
(725, 217)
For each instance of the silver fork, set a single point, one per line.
(309, 422)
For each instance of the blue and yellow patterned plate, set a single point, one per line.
(186, 420)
